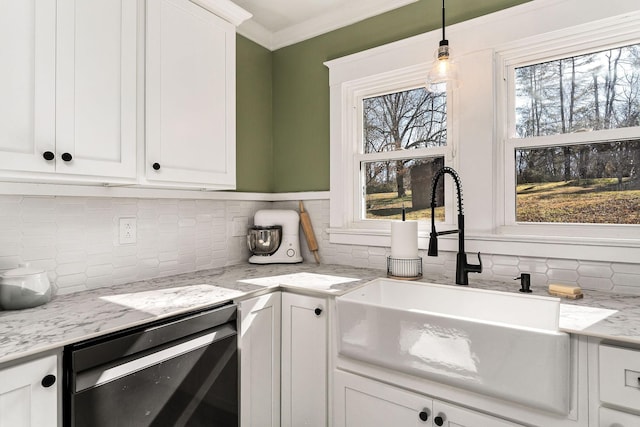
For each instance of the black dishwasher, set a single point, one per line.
(181, 371)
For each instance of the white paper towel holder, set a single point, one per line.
(404, 268)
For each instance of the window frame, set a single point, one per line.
(353, 93)
(476, 123)
(359, 204)
(584, 39)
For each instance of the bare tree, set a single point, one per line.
(401, 121)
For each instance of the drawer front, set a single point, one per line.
(611, 418)
(620, 377)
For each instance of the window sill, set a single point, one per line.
(588, 249)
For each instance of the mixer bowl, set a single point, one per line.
(264, 240)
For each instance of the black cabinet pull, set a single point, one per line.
(48, 380)
(439, 420)
(156, 166)
(67, 157)
(424, 415)
(318, 311)
(48, 155)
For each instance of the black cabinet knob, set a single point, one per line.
(318, 311)
(48, 380)
(67, 157)
(424, 415)
(48, 155)
(439, 420)
(156, 166)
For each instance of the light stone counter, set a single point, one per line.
(75, 317)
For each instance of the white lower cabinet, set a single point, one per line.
(29, 394)
(283, 361)
(304, 361)
(362, 402)
(619, 385)
(259, 348)
(611, 418)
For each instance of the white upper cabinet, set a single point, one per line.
(96, 87)
(190, 96)
(27, 84)
(68, 101)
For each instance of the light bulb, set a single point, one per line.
(443, 68)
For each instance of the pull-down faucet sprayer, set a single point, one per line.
(463, 268)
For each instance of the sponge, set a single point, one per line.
(566, 291)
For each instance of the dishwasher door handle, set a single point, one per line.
(101, 375)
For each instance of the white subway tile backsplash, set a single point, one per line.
(506, 271)
(557, 275)
(626, 268)
(625, 279)
(99, 270)
(595, 269)
(563, 264)
(64, 281)
(504, 260)
(600, 284)
(76, 240)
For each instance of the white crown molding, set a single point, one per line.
(225, 9)
(256, 33)
(342, 17)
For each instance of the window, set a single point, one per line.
(572, 149)
(398, 130)
(389, 135)
(506, 139)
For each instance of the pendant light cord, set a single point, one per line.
(443, 37)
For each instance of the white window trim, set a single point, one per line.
(480, 150)
(345, 180)
(590, 37)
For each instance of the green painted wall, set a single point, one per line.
(301, 83)
(283, 96)
(254, 121)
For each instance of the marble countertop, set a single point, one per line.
(75, 317)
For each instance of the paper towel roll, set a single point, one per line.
(404, 239)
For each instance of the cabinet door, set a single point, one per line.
(304, 361)
(453, 416)
(27, 84)
(26, 398)
(190, 95)
(96, 87)
(259, 346)
(361, 402)
(611, 418)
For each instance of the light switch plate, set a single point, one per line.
(127, 231)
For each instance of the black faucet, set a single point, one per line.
(463, 268)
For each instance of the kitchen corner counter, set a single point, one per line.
(75, 317)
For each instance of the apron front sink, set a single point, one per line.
(499, 344)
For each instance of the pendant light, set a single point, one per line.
(443, 68)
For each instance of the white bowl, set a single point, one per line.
(24, 287)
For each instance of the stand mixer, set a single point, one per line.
(268, 225)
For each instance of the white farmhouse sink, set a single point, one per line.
(504, 345)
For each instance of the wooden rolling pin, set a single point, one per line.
(308, 232)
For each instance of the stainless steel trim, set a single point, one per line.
(99, 376)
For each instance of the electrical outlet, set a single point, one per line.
(127, 231)
(240, 225)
